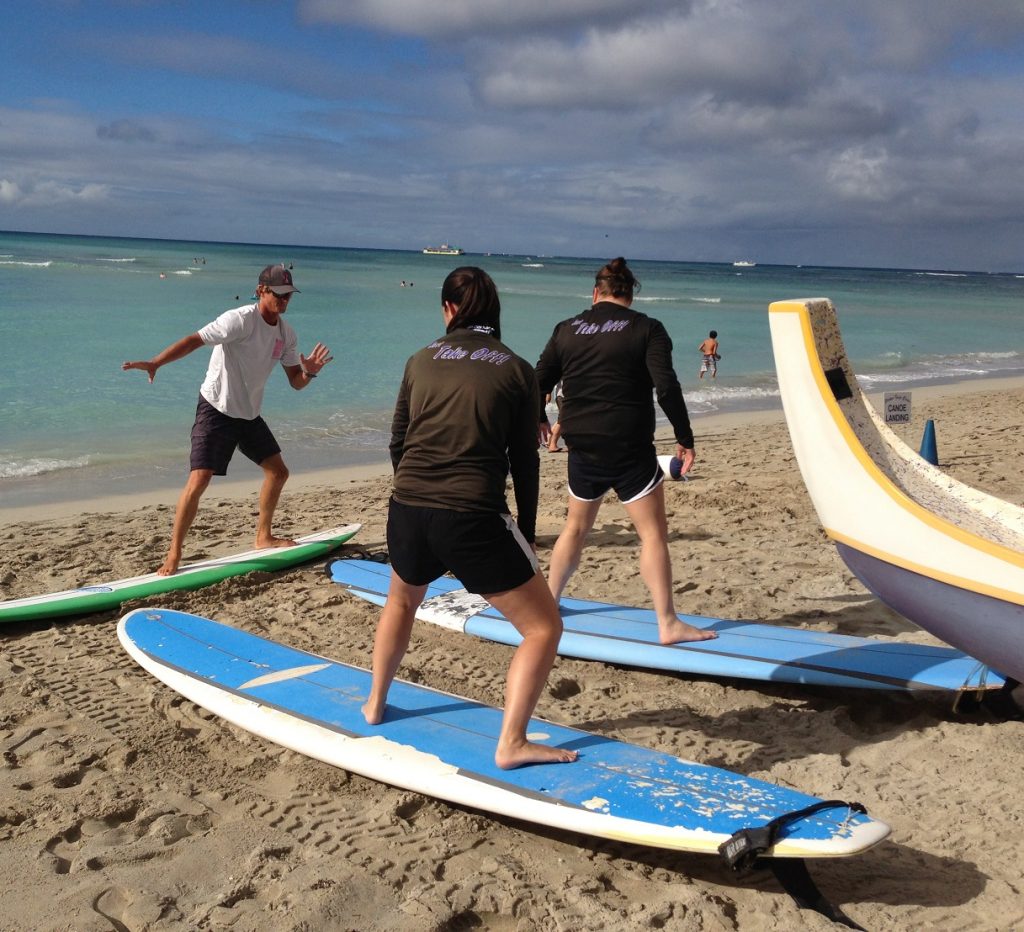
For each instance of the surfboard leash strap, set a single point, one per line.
(355, 552)
(742, 849)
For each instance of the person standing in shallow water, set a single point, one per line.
(611, 359)
(465, 418)
(709, 355)
(248, 343)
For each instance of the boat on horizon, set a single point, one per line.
(443, 250)
(744, 264)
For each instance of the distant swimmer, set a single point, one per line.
(709, 352)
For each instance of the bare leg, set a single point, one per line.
(390, 642)
(565, 556)
(648, 517)
(275, 475)
(184, 515)
(533, 612)
(556, 432)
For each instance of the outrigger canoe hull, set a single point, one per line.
(948, 557)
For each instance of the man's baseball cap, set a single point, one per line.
(278, 279)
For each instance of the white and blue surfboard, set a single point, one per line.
(442, 745)
(744, 650)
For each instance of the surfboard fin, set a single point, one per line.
(796, 880)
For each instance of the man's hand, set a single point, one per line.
(316, 360)
(145, 364)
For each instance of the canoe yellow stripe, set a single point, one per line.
(871, 468)
(972, 585)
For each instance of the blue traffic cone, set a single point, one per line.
(929, 451)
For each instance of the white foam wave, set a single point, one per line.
(363, 431)
(654, 299)
(869, 379)
(722, 398)
(29, 265)
(891, 368)
(13, 469)
(182, 272)
(127, 259)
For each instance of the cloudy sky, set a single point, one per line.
(845, 132)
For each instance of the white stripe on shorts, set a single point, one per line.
(519, 539)
(659, 478)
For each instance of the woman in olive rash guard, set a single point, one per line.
(466, 416)
(611, 360)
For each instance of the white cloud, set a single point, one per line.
(10, 193)
(461, 18)
(49, 193)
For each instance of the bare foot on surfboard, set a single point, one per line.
(170, 565)
(265, 543)
(680, 632)
(507, 757)
(373, 713)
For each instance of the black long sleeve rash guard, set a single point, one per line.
(612, 360)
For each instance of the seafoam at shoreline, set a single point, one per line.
(50, 497)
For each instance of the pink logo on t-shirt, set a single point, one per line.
(278, 349)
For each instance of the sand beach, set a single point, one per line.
(124, 806)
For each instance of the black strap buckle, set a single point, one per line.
(742, 849)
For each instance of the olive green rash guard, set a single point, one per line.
(466, 417)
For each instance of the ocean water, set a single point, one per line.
(71, 422)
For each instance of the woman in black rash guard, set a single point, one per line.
(611, 359)
(466, 416)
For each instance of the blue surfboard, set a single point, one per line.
(745, 650)
(442, 745)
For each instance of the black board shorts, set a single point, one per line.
(215, 437)
(484, 550)
(590, 480)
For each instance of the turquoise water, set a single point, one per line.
(76, 307)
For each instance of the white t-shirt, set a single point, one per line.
(245, 351)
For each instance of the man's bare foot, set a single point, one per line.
(373, 713)
(265, 543)
(170, 566)
(678, 632)
(507, 757)
(555, 450)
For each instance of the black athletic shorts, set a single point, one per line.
(484, 550)
(590, 480)
(215, 437)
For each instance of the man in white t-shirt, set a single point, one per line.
(248, 343)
